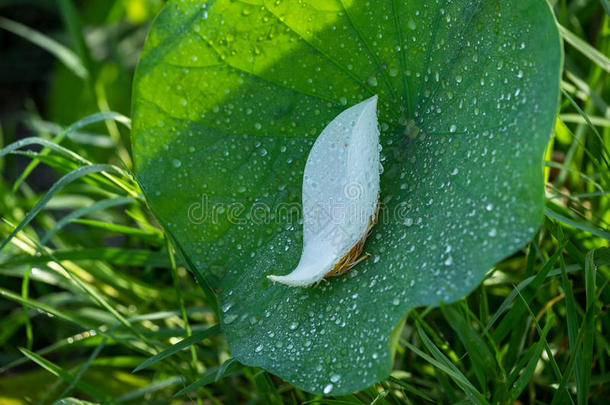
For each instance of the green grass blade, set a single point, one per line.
(172, 266)
(228, 367)
(125, 230)
(529, 290)
(440, 361)
(583, 47)
(87, 364)
(75, 30)
(588, 329)
(208, 377)
(211, 375)
(118, 256)
(64, 375)
(55, 188)
(482, 360)
(585, 116)
(589, 315)
(61, 52)
(571, 320)
(155, 386)
(525, 375)
(97, 206)
(550, 321)
(72, 401)
(50, 309)
(409, 388)
(195, 338)
(91, 119)
(38, 125)
(576, 224)
(45, 143)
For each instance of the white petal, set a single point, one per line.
(340, 192)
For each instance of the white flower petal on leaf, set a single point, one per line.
(340, 195)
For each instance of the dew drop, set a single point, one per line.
(230, 318)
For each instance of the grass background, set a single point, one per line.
(90, 288)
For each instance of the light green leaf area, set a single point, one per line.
(229, 98)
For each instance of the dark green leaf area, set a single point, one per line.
(230, 96)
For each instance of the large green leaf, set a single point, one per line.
(229, 98)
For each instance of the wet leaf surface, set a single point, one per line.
(229, 98)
